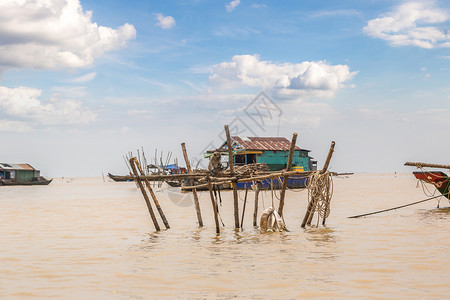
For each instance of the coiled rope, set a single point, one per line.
(320, 192)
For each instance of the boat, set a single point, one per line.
(35, 181)
(437, 178)
(293, 182)
(119, 177)
(21, 174)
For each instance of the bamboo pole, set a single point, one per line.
(191, 181)
(285, 178)
(309, 214)
(245, 203)
(231, 162)
(144, 193)
(233, 179)
(255, 212)
(214, 204)
(155, 200)
(426, 165)
(165, 177)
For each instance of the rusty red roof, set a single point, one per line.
(264, 143)
(26, 166)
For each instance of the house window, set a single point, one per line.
(251, 158)
(239, 160)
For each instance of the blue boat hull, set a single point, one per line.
(296, 182)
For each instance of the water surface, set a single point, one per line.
(82, 238)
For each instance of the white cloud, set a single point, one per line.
(408, 25)
(259, 5)
(232, 5)
(85, 78)
(165, 22)
(339, 12)
(141, 113)
(14, 126)
(23, 103)
(50, 34)
(317, 78)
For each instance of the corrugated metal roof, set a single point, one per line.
(26, 167)
(264, 143)
(9, 166)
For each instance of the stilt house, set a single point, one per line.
(273, 151)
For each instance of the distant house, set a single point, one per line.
(273, 151)
(19, 172)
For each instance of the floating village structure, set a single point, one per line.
(21, 174)
(319, 182)
(272, 151)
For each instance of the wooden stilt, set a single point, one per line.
(309, 213)
(255, 212)
(155, 200)
(191, 181)
(144, 193)
(214, 204)
(231, 162)
(285, 179)
(245, 203)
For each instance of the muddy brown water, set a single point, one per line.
(82, 238)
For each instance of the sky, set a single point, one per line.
(83, 83)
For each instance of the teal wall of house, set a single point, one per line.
(277, 160)
(24, 175)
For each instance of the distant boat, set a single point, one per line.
(21, 174)
(37, 181)
(119, 177)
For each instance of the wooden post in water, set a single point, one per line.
(245, 203)
(309, 213)
(155, 200)
(144, 193)
(214, 204)
(191, 181)
(231, 162)
(255, 212)
(285, 179)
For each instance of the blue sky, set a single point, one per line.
(84, 82)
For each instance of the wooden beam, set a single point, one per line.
(155, 200)
(245, 203)
(144, 193)
(231, 162)
(191, 181)
(426, 165)
(285, 178)
(309, 213)
(214, 204)
(255, 211)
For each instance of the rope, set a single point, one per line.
(425, 189)
(320, 191)
(401, 206)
